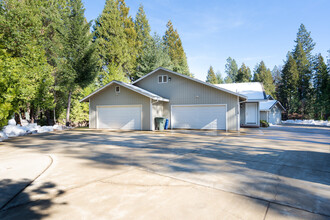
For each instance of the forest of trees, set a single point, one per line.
(302, 84)
(51, 57)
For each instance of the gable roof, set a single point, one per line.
(193, 79)
(252, 90)
(128, 86)
(270, 97)
(268, 104)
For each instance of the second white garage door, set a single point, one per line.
(199, 116)
(119, 117)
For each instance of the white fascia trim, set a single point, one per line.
(154, 98)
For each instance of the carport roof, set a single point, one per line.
(267, 105)
(128, 86)
(252, 90)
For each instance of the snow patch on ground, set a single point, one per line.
(307, 122)
(13, 130)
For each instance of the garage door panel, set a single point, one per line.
(199, 117)
(119, 117)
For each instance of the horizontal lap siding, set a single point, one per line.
(126, 96)
(182, 91)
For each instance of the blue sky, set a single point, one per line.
(248, 31)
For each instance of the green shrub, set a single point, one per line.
(264, 123)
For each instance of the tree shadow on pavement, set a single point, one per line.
(25, 207)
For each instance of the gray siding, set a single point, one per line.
(126, 96)
(275, 115)
(242, 113)
(184, 91)
(157, 111)
(263, 115)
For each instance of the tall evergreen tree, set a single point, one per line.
(231, 70)
(78, 62)
(129, 66)
(144, 43)
(263, 74)
(305, 92)
(112, 32)
(175, 49)
(302, 53)
(243, 74)
(142, 29)
(322, 88)
(154, 56)
(307, 43)
(219, 78)
(276, 73)
(288, 85)
(211, 77)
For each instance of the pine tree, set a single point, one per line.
(144, 42)
(211, 77)
(219, 78)
(142, 29)
(302, 53)
(288, 84)
(307, 43)
(231, 70)
(276, 74)
(263, 74)
(117, 52)
(129, 66)
(175, 49)
(243, 74)
(305, 92)
(154, 56)
(78, 65)
(322, 92)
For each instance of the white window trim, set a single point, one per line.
(162, 77)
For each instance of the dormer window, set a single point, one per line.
(162, 79)
(117, 89)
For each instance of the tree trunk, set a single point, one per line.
(32, 114)
(18, 119)
(68, 110)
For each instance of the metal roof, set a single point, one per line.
(253, 90)
(268, 104)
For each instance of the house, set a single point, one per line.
(254, 91)
(258, 105)
(187, 102)
(271, 111)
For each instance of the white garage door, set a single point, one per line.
(119, 117)
(199, 116)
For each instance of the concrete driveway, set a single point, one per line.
(280, 172)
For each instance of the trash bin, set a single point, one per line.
(166, 124)
(160, 123)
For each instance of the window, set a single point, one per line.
(162, 79)
(117, 89)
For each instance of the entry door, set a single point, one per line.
(119, 117)
(251, 113)
(199, 116)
